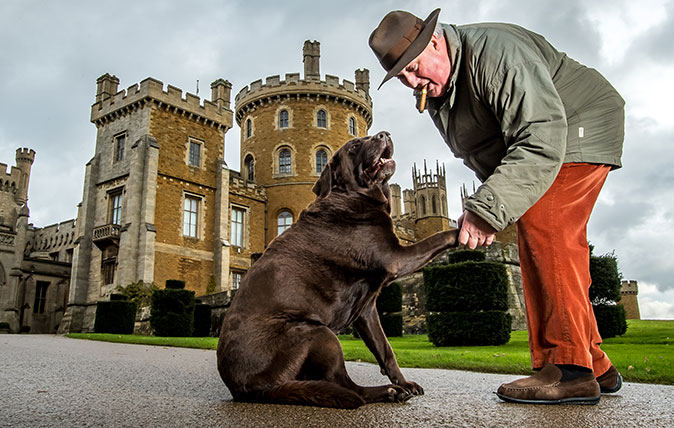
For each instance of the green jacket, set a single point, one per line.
(516, 109)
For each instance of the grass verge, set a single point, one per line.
(644, 354)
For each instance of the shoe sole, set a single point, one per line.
(590, 401)
(618, 385)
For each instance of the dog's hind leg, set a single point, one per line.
(325, 361)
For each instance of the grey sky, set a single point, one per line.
(52, 53)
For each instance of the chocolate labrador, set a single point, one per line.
(277, 341)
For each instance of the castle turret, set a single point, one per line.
(396, 206)
(24, 161)
(363, 80)
(312, 59)
(431, 200)
(221, 91)
(629, 291)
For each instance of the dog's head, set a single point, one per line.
(362, 165)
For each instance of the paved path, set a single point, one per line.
(55, 381)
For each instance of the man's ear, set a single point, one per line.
(323, 186)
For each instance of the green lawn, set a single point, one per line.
(644, 354)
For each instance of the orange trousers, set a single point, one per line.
(554, 256)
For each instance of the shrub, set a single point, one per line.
(202, 320)
(469, 328)
(138, 292)
(466, 286)
(611, 320)
(392, 324)
(172, 312)
(606, 279)
(466, 256)
(389, 307)
(116, 316)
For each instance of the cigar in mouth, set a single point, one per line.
(422, 99)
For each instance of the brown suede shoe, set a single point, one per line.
(611, 381)
(546, 387)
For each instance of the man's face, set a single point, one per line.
(432, 67)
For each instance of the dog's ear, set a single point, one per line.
(323, 186)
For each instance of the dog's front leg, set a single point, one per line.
(410, 258)
(371, 332)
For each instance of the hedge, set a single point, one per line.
(115, 316)
(611, 320)
(469, 328)
(466, 256)
(172, 312)
(389, 307)
(466, 286)
(202, 320)
(392, 324)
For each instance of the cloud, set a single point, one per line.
(655, 304)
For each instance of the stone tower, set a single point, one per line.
(430, 201)
(289, 129)
(154, 194)
(629, 292)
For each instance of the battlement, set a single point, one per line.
(25, 155)
(292, 86)
(629, 287)
(55, 236)
(152, 90)
(242, 187)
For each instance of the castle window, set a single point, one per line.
(194, 158)
(321, 160)
(250, 168)
(352, 126)
(115, 210)
(422, 202)
(119, 147)
(321, 119)
(190, 216)
(284, 221)
(434, 204)
(283, 119)
(237, 227)
(249, 128)
(237, 277)
(284, 162)
(40, 297)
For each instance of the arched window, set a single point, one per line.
(352, 126)
(422, 202)
(321, 160)
(250, 168)
(284, 221)
(444, 205)
(434, 203)
(249, 128)
(284, 162)
(321, 119)
(283, 119)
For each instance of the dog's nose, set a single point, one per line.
(383, 135)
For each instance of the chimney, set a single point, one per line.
(106, 86)
(312, 57)
(363, 80)
(221, 91)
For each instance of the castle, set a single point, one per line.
(159, 202)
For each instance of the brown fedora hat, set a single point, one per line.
(399, 38)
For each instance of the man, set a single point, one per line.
(541, 132)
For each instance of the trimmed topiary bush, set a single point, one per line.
(175, 284)
(611, 320)
(172, 312)
(466, 286)
(202, 320)
(389, 307)
(467, 304)
(466, 256)
(469, 328)
(116, 316)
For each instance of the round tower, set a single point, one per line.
(291, 127)
(24, 161)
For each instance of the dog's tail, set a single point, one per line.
(309, 392)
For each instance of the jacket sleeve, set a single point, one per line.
(533, 122)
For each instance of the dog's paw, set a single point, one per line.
(412, 387)
(398, 394)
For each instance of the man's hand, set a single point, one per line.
(474, 231)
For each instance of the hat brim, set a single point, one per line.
(415, 48)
